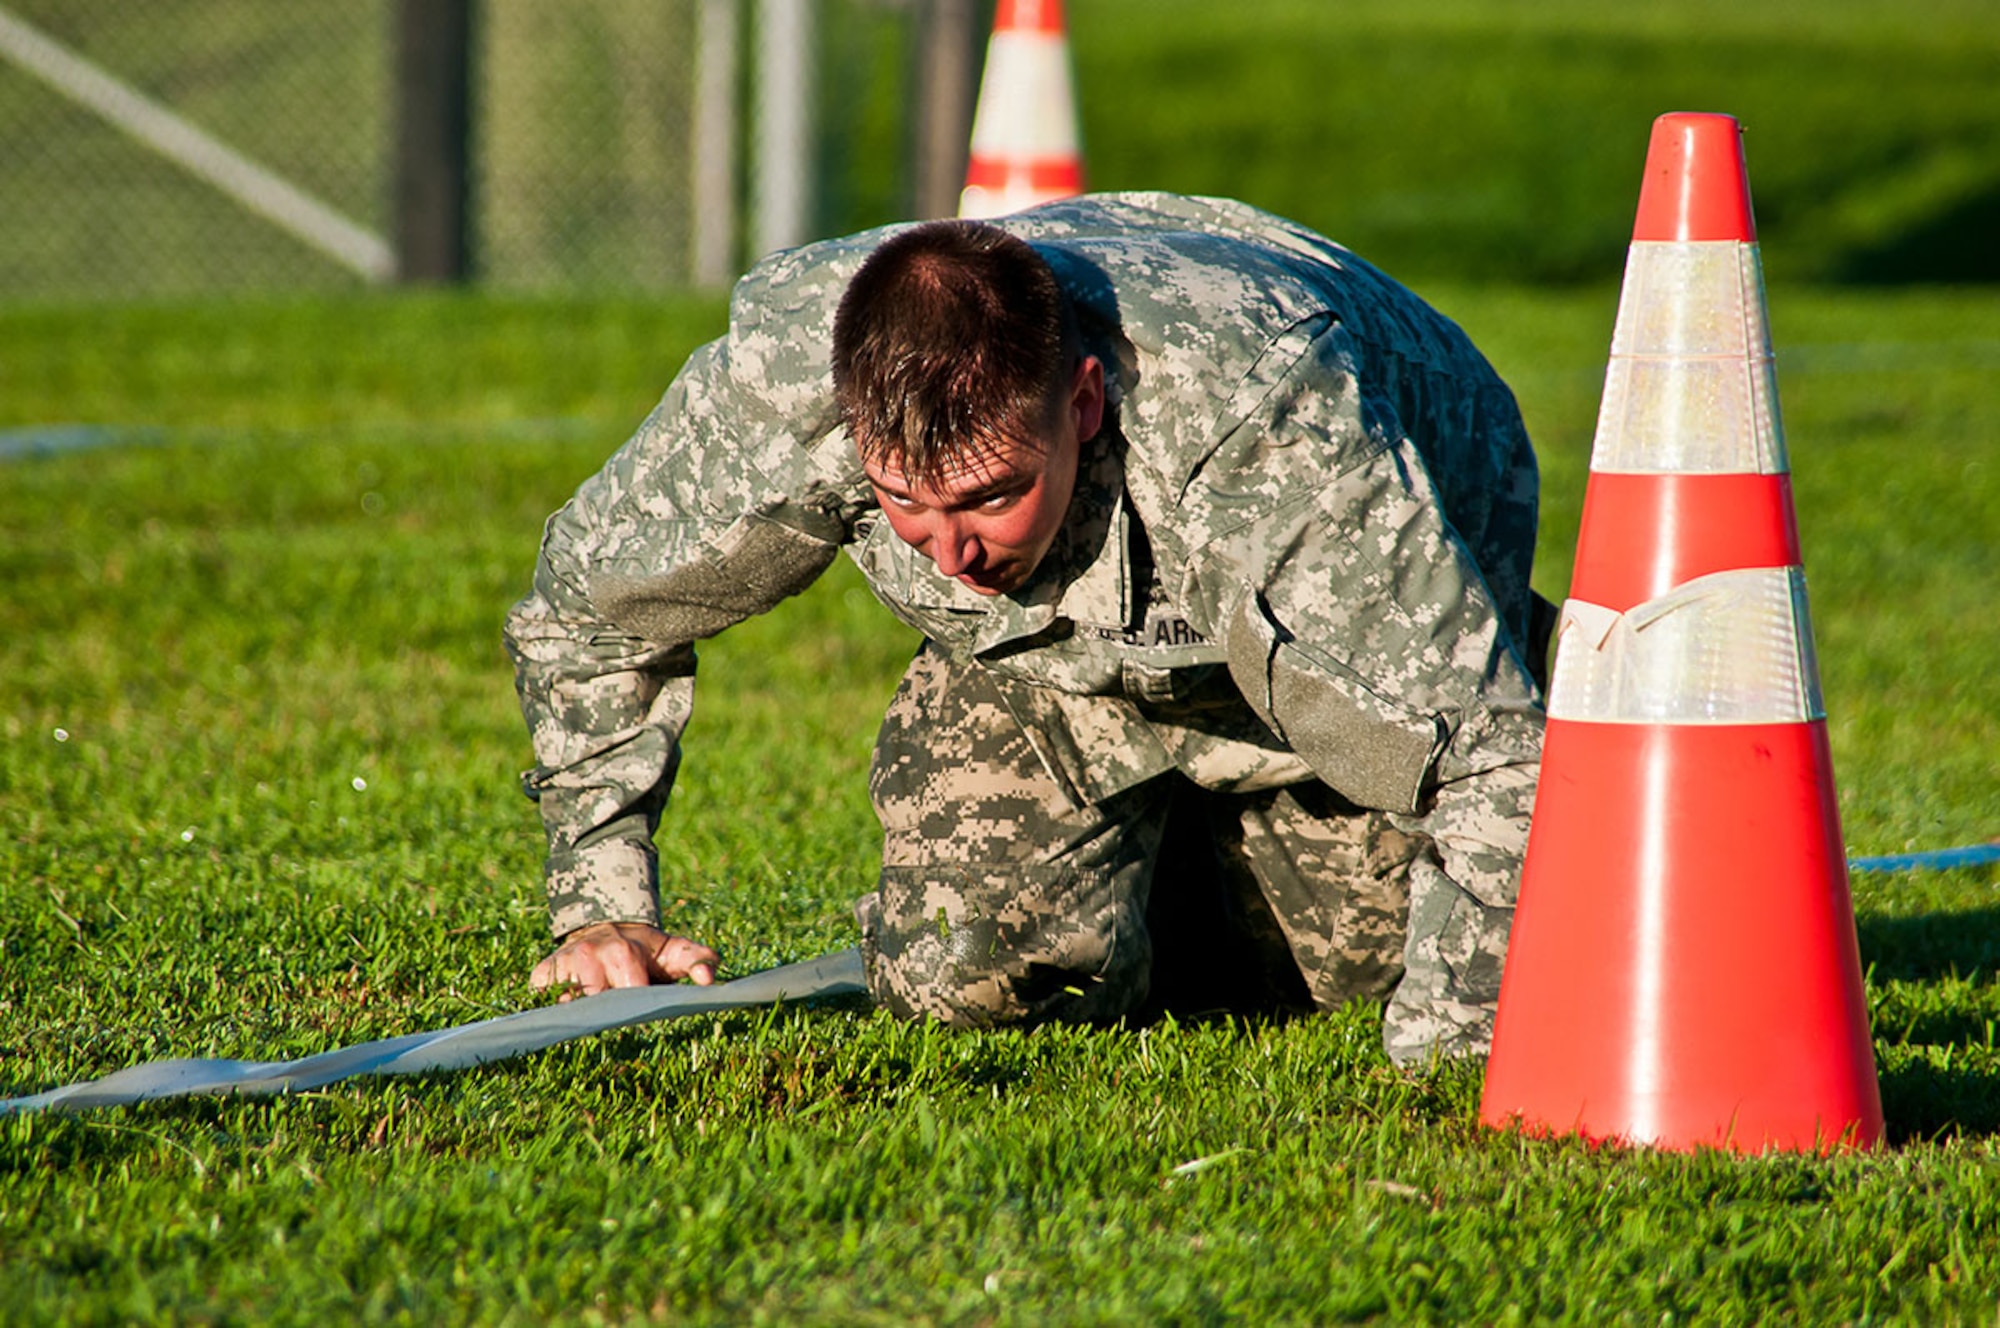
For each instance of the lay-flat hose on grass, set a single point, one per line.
(837, 974)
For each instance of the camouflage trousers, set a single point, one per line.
(1003, 901)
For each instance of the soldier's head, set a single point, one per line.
(961, 380)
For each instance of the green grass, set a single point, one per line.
(1476, 137)
(286, 575)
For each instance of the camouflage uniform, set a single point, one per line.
(1289, 605)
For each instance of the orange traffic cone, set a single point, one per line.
(1683, 969)
(1024, 136)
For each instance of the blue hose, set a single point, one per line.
(1943, 859)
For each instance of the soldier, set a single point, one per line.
(1218, 539)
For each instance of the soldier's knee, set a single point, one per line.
(977, 971)
(956, 1000)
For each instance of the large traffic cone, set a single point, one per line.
(1683, 969)
(1024, 137)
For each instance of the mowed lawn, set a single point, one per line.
(258, 798)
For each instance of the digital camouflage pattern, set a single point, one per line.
(1003, 900)
(1299, 551)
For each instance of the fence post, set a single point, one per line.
(433, 135)
(785, 125)
(714, 184)
(946, 88)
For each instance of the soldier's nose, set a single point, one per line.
(952, 550)
(950, 558)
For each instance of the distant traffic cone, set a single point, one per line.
(1683, 969)
(1024, 136)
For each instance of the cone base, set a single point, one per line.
(1683, 970)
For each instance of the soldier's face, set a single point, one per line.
(988, 524)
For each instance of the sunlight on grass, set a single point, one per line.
(258, 760)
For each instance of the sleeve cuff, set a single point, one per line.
(613, 881)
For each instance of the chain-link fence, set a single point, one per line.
(583, 151)
(191, 146)
(91, 205)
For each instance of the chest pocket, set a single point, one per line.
(1161, 685)
(1164, 659)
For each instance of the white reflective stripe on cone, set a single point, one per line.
(1690, 388)
(1697, 297)
(1729, 648)
(1026, 107)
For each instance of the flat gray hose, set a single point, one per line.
(479, 1043)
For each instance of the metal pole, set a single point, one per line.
(715, 144)
(784, 185)
(433, 138)
(946, 89)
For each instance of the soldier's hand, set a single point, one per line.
(623, 954)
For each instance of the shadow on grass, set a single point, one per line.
(1922, 1099)
(1938, 1068)
(1953, 244)
(1928, 946)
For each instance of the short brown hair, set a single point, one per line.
(952, 338)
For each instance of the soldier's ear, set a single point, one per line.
(1086, 398)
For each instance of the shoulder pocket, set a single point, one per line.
(1368, 748)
